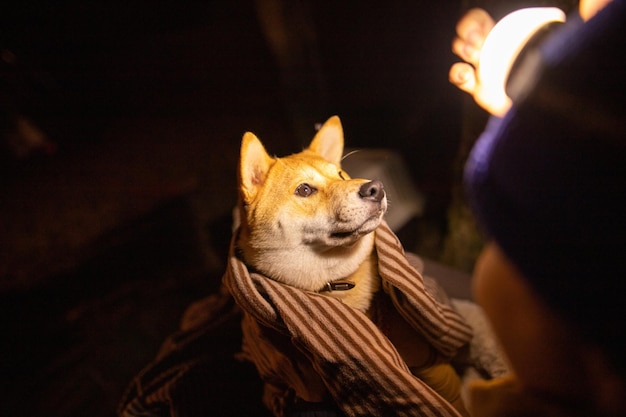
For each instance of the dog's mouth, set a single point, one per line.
(347, 236)
(346, 230)
(343, 235)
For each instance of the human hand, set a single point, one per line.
(471, 32)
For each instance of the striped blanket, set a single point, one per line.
(311, 345)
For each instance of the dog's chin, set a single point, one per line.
(349, 236)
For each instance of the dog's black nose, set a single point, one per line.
(372, 190)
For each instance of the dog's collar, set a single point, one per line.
(338, 286)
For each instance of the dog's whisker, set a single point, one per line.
(350, 154)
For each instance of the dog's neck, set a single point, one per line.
(360, 273)
(365, 284)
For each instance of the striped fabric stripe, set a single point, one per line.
(358, 365)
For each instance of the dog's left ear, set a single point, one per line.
(328, 142)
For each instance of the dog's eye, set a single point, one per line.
(341, 175)
(305, 190)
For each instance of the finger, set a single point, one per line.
(474, 26)
(465, 51)
(463, 76)
(588, 8)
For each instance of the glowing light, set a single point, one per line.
(502, 46)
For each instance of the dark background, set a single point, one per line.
(122, 217)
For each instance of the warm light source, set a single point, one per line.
(503, 45)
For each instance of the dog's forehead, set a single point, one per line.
(308, 166)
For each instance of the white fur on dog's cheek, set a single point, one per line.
(314, 232)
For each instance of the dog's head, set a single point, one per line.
(304, 221)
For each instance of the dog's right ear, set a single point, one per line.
(254, 163)
(328, 141)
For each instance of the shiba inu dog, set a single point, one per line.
(306, 222)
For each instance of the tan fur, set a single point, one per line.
(308, 241)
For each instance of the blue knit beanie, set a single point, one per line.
(548, 181)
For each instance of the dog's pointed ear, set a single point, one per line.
(254, 163)
(328, 142)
